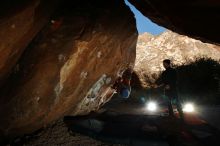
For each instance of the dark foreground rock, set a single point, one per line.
(69, 66)
(58, 134)
(198, 19)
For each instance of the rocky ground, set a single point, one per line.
(58, 135)
(125, 122)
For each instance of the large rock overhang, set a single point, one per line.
(61, 62)
(199, 19)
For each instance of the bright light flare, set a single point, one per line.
(188, 107)
(151, 106)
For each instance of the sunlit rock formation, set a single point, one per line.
(152, 50)
(69, 66)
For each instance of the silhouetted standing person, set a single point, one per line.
(169, 82)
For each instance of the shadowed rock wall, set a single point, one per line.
(196, 18)
(19, 23)
(70, 65)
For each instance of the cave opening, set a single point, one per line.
(156, 43)
(199, 83)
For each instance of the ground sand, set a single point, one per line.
(58, 135)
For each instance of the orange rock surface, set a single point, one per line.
(69, 66)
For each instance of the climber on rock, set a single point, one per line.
(122, 84)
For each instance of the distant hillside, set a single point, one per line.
(152, 50)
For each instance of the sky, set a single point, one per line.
(144, 24)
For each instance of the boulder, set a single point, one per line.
(69, 66)
(195, 18)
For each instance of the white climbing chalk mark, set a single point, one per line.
(83, 75)
(61, 57)
(108, 80)
(99, 54)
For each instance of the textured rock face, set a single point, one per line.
(16, 32)
(196, 18)
(152, 50)
(69, 66)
